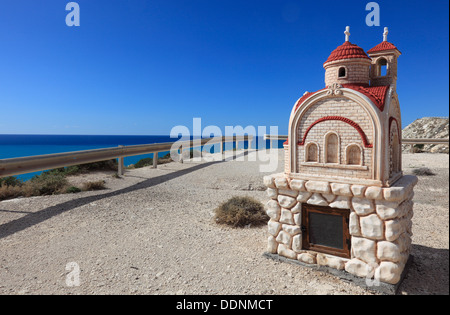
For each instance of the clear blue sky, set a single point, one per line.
(142, 67)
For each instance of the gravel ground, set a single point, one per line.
(152, 232)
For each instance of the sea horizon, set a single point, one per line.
(25, 145)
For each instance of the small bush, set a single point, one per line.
(143, 163)
(73, 190)
(11, 181)
(240, 212)
(90, 186)
(48, 183)
(423, 171)
(10, 192)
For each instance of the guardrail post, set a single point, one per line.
(120, 164)
(155, 159)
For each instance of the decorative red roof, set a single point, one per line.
(377, 94)
(382, 46)
(347, 51)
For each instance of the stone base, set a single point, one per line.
(382, 287)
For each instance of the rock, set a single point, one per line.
(341, 189)
(372, 227)
(354, 228)
(291, 229)
(373, 192)
(363, 206)
(341, 202)
(268, 181)
(329, 197)
(387, 210)
(297, 184)
(358, 268)
(284, 251)
(297, 243)
(307, 258)
(358, 190)
(281, 183)
(286, 217)
(272, 245)
(318, 187)
(303, 196)
(364, 249)
(272, 193)
(273, 210)
(331, 261)
(430, 128)
(297, 208)
(284, 238)
(394, 229)
(298, 219)
(388, 251)
(288, 192)
(273, 227)
(318, 200)
(286, 201)
(389, 272)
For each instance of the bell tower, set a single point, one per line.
(383, 70)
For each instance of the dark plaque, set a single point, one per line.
(326, 230)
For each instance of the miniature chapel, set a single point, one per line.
(343, 201)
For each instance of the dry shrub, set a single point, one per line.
(241, 212)
(90, 186)
(10, 192)
(423, 171)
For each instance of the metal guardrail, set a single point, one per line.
(24, 165)
(406, 141)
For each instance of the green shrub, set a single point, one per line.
(73, 190)
(240, 212)
(143, 163)
(48, 183)
(91, 186)
(10, 181)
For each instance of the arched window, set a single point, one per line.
(354, 155)
(312, 152)
(381, 67)
(342, 72)
(331, 148)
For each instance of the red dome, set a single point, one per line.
(347, 51)
(382, 46)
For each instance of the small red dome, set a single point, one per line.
(347, 51)
(382, 46)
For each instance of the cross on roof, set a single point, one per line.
(385, 34)
(347, 33)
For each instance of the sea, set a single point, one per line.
(12, 146)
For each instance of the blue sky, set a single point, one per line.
(142, 67)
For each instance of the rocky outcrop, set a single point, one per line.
(430, 128)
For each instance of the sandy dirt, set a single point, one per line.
(152, 232)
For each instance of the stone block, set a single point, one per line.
(341, 202)
(354, 227)
(269, 181)
(273, 210)
(358, 190)
(387, 210)
(288, 192)
(286, 201)
(281, 183)
(317, 187)
(389, 272)
(291, 229)
(307, 258)
(331, 261)
(274, 227)
(363, 206)
(358, 268)
(372, 227)
(364, 249)
(297, 243)
(272, 193)
(317, 200)
(286, 217)
(341, 189)
(272, 245)
(297, 184)
(284, 238)
(388, 251)
(284, 251)
(373, 192)
(303, 196)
